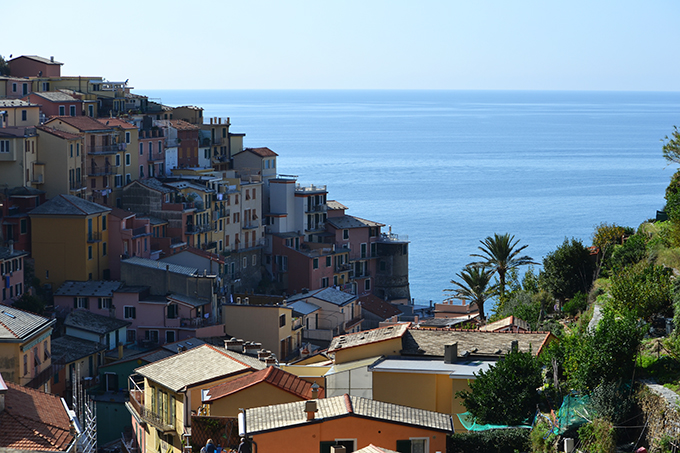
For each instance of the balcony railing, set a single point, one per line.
(155, 157)
(157, 420)
(76, 185)
(94, 236)
(103, 171)
(317, 208)
(139, 231)
(106, 149)
(251, 224)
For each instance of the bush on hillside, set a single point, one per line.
(643, 289)
(576, 304)
(495, 440)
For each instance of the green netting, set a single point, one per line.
(574, 411)
(470, 423)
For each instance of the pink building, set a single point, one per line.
(12, 274)
(151, 153)
(34, 66)
(15, 222)
(128, 236)
(56, 103)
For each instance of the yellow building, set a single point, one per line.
(16, 112)
(271, 325)
(165, 394)
(18, 163)
(62, 162)
(70, 240)
(25, 348)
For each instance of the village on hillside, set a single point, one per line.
(166, 290)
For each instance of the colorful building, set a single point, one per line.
(12, 274)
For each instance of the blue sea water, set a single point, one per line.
(448, 168)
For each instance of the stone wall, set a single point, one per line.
(661, 408)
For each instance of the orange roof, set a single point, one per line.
(58, 133)
(33, 420)
(182, 125)
(378, 307)
(116, 122)
(262, 152)
(271, 375)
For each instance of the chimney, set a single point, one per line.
(315, 391)
(181, 348)
(252, 348)
(11, 246)
(234, 344)
(120, 350)
(263, 354)
(451, 353)
(52, 59)
(338, 449)
(270, 361)
(310, 408)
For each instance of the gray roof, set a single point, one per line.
(368, 336)
(18, 325)
(201, 364)
(55, 96)
(64, 204)
(5, 253)
(38, 58)
(304, 308)
(330, 295)
(90, 288)
(170, 349)
(281, 416)
(67, 349)
(332, 204)
(92, 322)
(462, 369)
(348, 221)
(155, 184)
(193, 301)
(189, 185)
(15, 103)
(174, 268)
(153, 220)
(431, 342)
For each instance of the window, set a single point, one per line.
(220, 245)
(46, 351)
(89, 252)
(104, 302)
(247, 194)
(413, 445)
(46, 86)
(80, 302)
(127, 158)
(77, 149)
(118, 180)
(103, 223)
(363, 250)
(235, 198)
(151, 335)
(24, 88)
(129, 312)
(25, 364)
(117, 160)
(245, 262)
(170, 338)
(141, 149)
(128, 177)
(4, 146)
(282, 320)
(160, 147)
(103, 248)
(127, 137)
(90, 110)
(71, 149)
(374, 249)
(367, 284)
(324, 282)
(62, 110)
(328, 261)
(315, 263)
(19, 289)
(24, 226)
(72, 110)
(131, 336)
(173, 311)
(345, 234)
(23, 115)
(14, 87)
(141, 171)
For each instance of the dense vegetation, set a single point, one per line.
(627, 278)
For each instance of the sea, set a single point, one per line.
(446, 169)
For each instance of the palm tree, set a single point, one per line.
(474, 287)
(500, 255)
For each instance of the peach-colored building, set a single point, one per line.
(34, 66)
(12, 274)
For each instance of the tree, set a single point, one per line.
(673, 197)
(605, 237)
(671, 146)
(501, 254)
(4, 67)
(474, 287)
(568, 270)
(506, 393)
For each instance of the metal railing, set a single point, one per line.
(106, 149)
(139, 231)
(103, 171)
(94, 236)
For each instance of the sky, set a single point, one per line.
(621, 45)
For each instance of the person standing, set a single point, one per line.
(209, 446)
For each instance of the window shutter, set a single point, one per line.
(75, 302)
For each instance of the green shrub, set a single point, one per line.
(495, 440)
(542, 438)
(598, 436)
(576, 304)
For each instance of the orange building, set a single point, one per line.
(351, 421)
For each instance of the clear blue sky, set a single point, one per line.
(436, 44)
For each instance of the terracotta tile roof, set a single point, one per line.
(289, 415)
(262, 152)
(335, 205)
(349, 221)
(370, 448)
(33, 420)
(182, 125)
(368, 337)
(511, 322)
(378, 307)
(432, 342)
(58, 133)
(116, 122)
(270, 375)
(82, 123)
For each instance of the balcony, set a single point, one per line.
(76, 186)
(164, 424)
(342, 267)
(393, 238)
(317, 208)
(103, 171)
(141, 231)
(155, 157)
(106, 149)
(251, 225)
(38, 179)
(94, 236)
